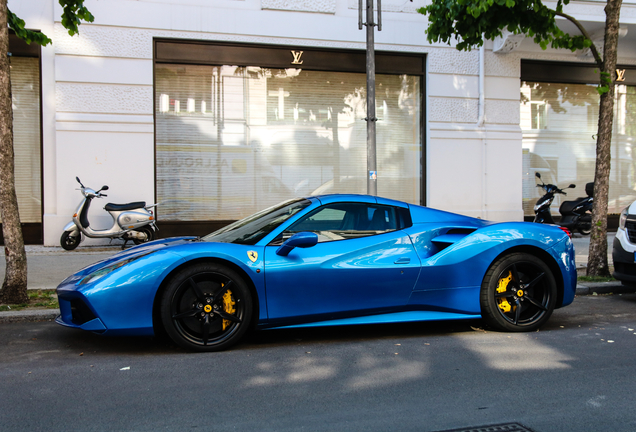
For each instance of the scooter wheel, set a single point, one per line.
(584, 229)
(69, 242)
(150, 235)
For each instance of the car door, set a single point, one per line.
(362, 264)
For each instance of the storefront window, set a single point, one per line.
(25, 89)
(559, 124)
(233, 140)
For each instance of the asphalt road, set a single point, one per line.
(576, 374)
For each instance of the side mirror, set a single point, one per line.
(537, 175)
(301, 240)
(104, 187)
(572, 186)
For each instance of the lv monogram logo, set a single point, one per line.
(620, 74)
(297, 55)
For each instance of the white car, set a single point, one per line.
(624, 247)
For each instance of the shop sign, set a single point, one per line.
(297, 55)
(620, 75)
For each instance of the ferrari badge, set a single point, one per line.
(252, 255)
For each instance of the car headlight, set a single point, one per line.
(98, 274)
(623, 218)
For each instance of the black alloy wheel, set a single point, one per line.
(69, 242)
(149, 232)
(518, 293)
(206, 307)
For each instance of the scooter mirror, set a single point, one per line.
(537, 175)
(78, 180)
(104, 187)
(572, 186)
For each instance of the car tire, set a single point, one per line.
(206, 307)
(69, 242)
(518, 293)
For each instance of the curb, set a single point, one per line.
(29, 315)
(594, 288)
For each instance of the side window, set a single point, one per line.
(343, 221)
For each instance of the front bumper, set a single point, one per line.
(75, 313)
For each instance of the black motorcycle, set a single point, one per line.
(575, 214)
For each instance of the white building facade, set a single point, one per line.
(219, 108)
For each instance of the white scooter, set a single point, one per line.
(133, 221)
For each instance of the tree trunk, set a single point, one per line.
(14, 288)
(597, 264)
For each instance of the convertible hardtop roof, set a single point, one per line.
(331, 198)
(419, 214)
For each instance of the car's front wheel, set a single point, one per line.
(206, 307)
(518, 293)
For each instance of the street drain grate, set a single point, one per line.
(507, 427)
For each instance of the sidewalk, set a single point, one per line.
(50, 265)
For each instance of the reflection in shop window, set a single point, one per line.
(563, 150)
(245, 138)
(539, 114)
(25, 85)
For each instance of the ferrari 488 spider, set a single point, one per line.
(326, 260)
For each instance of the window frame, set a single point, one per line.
(401, 222)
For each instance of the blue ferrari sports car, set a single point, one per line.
(321, 261)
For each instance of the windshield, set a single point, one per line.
(250, 230)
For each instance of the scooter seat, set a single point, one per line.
(568, 206)
(122, 207)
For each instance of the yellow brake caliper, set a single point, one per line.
(501, 288)
(228, 306)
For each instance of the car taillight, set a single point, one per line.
(567, 231)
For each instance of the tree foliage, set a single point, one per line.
(73, 12)
(470, 21)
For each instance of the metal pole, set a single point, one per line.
(372, 186)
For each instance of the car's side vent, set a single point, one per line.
(451, 236)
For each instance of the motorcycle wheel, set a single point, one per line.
(69, 242)
(150, 235)
(585, 228)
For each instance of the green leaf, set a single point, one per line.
(73, 13)
(17, 25)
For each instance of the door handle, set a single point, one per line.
(403, 261)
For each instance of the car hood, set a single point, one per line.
(143, 249)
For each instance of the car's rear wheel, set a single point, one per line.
(206, 307)
(518, 293)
